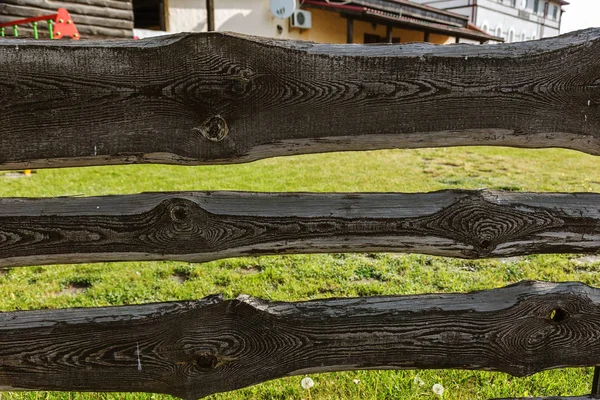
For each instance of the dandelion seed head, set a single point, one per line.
(438, 389)
(418, 381)
(307, 383)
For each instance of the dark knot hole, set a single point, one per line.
(214, 129)
(179, 214)
(558, 315)
(206, 361)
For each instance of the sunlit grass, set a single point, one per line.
(300, 277)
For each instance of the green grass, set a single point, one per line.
(302, 277)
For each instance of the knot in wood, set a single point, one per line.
(558, 315)
(179, 213)
(214, 129)
(241, 81)
(184, 211)
(207, 361)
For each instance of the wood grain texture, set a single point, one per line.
(202, 226)
(192, 349)
(222, 98)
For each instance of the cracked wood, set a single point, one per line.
(221, 98)
(196, 348)
(202, 226)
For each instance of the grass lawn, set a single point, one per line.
(302, 277)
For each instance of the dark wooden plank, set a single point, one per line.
(192, 349)
(218, 98)
(201, 226)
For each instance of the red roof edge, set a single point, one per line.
(431, 8)
(474, 28)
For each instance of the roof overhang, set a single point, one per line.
(401, 20)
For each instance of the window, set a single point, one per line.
(523, 37)
(513, 3)
(499, 32)
(485, 28)
(371, 38)
(149, 14)
(536, 6)
(511, 36)
(554, 12)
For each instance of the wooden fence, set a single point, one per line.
(221, 98)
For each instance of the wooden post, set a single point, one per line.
(350, 30)
(426, 36)
(596, 383)
(163, 14)
(388, 34)
(210, 15)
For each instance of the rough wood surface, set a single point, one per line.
(218, 98)
(202, 226)
(192, 349)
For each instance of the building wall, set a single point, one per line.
(519, 20)
(253, 17)
(493, 14)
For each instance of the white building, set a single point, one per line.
(331, 21)
(513, 20)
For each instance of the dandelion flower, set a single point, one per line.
(356, 381)
(418, 381)
(307, 383)
(438, 389)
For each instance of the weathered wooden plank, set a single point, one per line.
(202, 226)
(217, 98)
(192, 349)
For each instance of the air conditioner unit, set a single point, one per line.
(301, 19)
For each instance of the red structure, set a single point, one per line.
(60, 25)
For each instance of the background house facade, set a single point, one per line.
(357, 21)
(513, 20)
(367, 20)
